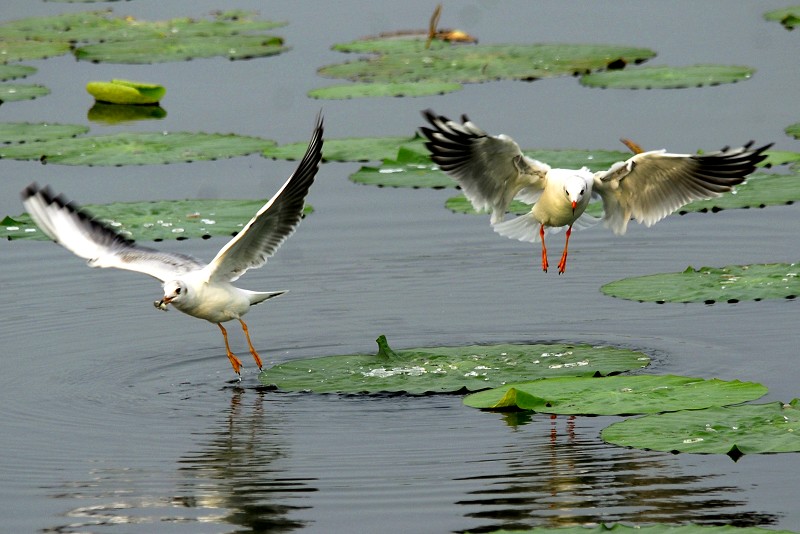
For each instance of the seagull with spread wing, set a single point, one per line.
(492, 171)
(193, 287)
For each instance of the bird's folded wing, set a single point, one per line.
(651, 185)
(273, 223)
(77, 231)
(491, 170)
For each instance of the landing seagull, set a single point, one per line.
(492, 171)
(193, 287)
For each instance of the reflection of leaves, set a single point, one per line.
(664, 77)
(616, 395)
(446, 369)
(734, 430)
(708, 284)
(138, 148)
(119, 113)
(157, 220)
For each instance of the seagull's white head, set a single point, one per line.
(575, 188)
(174, 291)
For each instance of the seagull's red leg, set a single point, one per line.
(256, 357)
(544, 249)
(235, 362)
(562, 265)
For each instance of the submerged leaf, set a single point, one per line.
(617, 395)
(664, 77)
(734, 430)
(446, 369)
(138, 148)
(157, 220)
(731, 284)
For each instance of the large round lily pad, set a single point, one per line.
(665, 77)
(21, 49)
(734, 430)
(616, 395)
(353, 149)
(27, 132)
(138, 148)
(157, 220)
(12, 92)
(730, 284)
(447, 369)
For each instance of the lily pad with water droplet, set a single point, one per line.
(353, 149)
(731, 284)
(157, 220)
(665, 77)
(734, 430)
(446, 369)
(13, 92)
(138, 148)
(14, 72)
(27, 132)
(788, 16)
(616, 395)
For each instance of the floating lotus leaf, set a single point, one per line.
(686, 528)
(446, 369)
(794, 130)
(354, 149)
(616, 395)
(12, 92)
(730, 284)
(126, 92)
(26, 132)
(120, 113)
(13, 72)
(156, 221)
(411, 168)
(407, 60)
(781, 157)
(142, 148)
(21, 50)
(182, 49)
(663, 77)
(788, 16)
(734, 430)
(360, 90)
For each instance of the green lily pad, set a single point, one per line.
(781, 157)
(734, 430)
(126, 92)
(138, 148)
(687, 528)
(158, 220)
(788, 16)
(664, 77)
(120, 113)
(446, 369)
(13, 72)
(616, 395)
(730, 284)
(27, 132)
(12, 92)
(412, 167)
(794, 130)
(353, 149)
(22, 50)
(407, 60)
(360, 90)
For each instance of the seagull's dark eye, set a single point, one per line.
(582, 190)
(178, 291)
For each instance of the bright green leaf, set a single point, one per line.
(734, 430)
(126, 92)
(120, 113)
(794, 130)
(446, 369)
(617, 395)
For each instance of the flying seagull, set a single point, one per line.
(492, 171)
(192, 286)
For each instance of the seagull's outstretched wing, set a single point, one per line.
(491, 170)
(651, 185)
(77, 231)
(273, 223)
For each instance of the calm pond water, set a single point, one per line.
(120, 419)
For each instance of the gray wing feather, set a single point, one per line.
(651, 185)
(491, 170)
(273, 223)
(76, 230)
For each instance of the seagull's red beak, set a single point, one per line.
(166, 300)
(574, 205)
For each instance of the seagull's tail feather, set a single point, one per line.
(261, 296)
(523, 228)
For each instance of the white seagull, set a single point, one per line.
(193, 287)
(492, 171)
